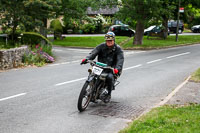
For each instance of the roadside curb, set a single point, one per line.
(163, 102)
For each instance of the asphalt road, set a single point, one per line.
(44, 100)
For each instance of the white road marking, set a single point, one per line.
(76, 80)
(71, 81)
(154, 61)
(132, 52)
(58, 50)
(128, 68)
(21, 94)
(63, 63)
(54, 65)
(132, 67)
(81, 50)
(177, 55)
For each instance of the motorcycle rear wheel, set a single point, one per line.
(84, 97)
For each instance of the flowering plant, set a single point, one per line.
(39, 56)
(39, 51)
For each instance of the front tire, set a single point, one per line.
(84, 97)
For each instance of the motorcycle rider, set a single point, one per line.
(111, 54)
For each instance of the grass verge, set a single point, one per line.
(168, 119)
(154, 43)
(84, 41)
(196, 76)
(151, 43)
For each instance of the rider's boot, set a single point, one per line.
(108, 97)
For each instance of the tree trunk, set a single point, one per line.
(138, 39)
(13, 35)
(165, 30)
(43, 29)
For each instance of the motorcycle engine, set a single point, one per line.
(103, 93)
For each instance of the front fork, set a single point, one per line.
(94, 81)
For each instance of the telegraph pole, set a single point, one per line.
(177, 28)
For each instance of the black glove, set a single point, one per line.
(84, 61)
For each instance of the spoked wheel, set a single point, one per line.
(84, 97)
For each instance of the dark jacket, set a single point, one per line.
(113, 57)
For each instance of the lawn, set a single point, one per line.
(84, 41)
(168, 119)
(151, 43)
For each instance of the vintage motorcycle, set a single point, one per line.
(95, 87)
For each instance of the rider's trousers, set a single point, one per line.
(110, 82)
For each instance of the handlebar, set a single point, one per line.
(94, 63)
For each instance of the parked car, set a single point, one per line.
(122, 30)
(195, 28)
(154, 29)
(172, 25)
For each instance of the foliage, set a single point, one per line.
(140, 11)
(88, 28)
(192, 15)
(57, 28)
(74, 10)
(38, 56)
(168, 119)
(56, 25)
(27, 14)
(10, 17)
(33, 38)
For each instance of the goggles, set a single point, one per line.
(109, 37)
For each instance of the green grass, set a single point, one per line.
(168, 119)
(153, 42)
(84, 41)
(196, 76)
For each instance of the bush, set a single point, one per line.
(38, 56)
(32, 38)
(88, 28)
(56, 26)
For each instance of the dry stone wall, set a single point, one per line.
(12, 58)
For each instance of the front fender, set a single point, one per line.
(90, 78)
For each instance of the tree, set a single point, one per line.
(74, 9)
(141, 11)
(166, 12)
(10, 17)
(39, 11)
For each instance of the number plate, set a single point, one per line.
(97, 70)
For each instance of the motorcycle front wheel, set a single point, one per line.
(84, 97)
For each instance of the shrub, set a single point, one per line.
(56, 26)
(88, 28)
(39, 55)
(32, 38)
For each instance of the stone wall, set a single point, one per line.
(12, 58)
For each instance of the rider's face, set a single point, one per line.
(110, 43)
